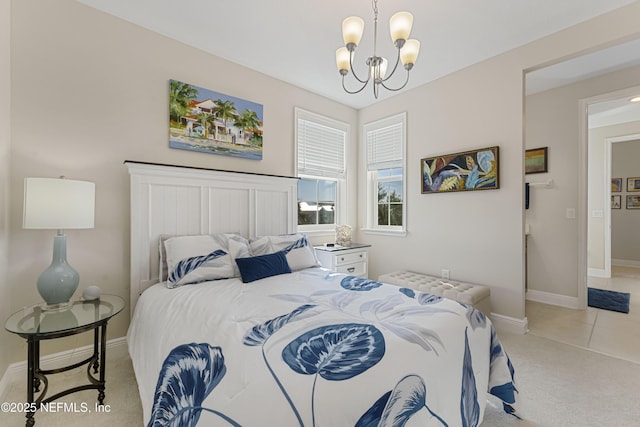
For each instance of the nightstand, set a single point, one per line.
(36, 324)
(350, 259)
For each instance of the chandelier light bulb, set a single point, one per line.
(409, 52)
(383, 67)
(342, 60)
(352, 29)
(400, 27)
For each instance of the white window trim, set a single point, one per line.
(341, 187)
(372, 193)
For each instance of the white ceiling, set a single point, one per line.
(295, 41)
(615, 58)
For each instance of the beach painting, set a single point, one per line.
(210, 122)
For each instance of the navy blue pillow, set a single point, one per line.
(259, 267)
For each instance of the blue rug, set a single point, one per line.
(609, 300)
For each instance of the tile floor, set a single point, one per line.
(603, 331)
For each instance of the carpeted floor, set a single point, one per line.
(560, 385)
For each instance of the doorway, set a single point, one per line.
(558, 247)
(607, 119)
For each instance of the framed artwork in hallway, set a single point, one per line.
(633, 202)
(616, 185)
(633, 184)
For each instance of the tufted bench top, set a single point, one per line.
(466, 293)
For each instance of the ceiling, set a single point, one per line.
(615, 58)
(295, 41)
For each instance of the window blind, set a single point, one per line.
(321, 149)
(384, 147)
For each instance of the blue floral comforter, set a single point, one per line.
(313, 348)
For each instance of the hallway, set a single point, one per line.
(607, 332)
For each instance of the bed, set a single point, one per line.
(234, 323)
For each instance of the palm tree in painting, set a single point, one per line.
(248, 121)
(180, 95)
(206, 120)
(225, 111)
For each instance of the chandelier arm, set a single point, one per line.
(395, 67)
(397, 89)
(355, 91)
(353, 71)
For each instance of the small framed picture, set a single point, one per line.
(616, 202)
(633, 184)
(633, 202)
(616, 185)
(535, 160)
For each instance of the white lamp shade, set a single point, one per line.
(342, 59)
(352, 29)
(56, 203)
(400, 26)
(409, 52)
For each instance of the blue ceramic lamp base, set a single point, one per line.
(59, 281)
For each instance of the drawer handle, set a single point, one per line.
(342, 259)
(360, 255)
(351, 269)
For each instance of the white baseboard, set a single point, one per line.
(625, 263)
(18, 371)
(510, 324)
(597, 272)
(553, 299)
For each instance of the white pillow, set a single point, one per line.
(195, 259)
(236, 246)
(300, 254)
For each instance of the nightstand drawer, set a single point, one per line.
(347, 260)
(359, 256)
(356, 269)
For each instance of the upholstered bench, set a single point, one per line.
(467, 293)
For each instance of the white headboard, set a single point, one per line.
(179, 200)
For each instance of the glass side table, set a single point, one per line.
(36, 324)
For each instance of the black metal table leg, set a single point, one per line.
(32, 356)
(96, 362)
(103, 346)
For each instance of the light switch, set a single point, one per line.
(571, 213)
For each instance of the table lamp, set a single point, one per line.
(58, 204)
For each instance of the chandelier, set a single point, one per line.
(400, 27)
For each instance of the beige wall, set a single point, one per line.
(91, 91)
(5, 144)
(478, 236)
(552, 120)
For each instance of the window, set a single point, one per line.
(316, 201)
(385, 147)
(321, 162)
